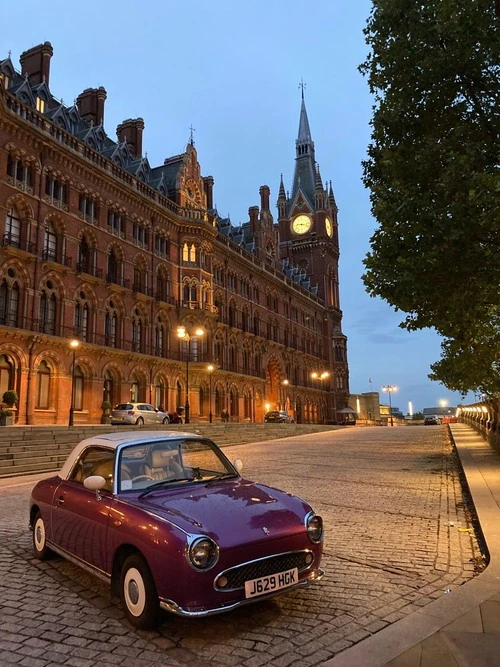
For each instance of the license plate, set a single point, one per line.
(271, 583)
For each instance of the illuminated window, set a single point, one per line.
(40, 104)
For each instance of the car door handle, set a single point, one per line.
(60, 500)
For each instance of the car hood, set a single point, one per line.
(229, 511)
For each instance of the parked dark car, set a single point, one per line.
(168, 521)
(278, 416)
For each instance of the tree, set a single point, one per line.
(432, 171)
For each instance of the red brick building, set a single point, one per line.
(99, 246)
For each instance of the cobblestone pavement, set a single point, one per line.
(398, 536)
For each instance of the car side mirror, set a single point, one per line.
(94, 483)
(238, 464)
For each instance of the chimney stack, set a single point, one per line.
(36, 63)
(208, 182)
(90, 104)
(131, 131)
(264, 197)
(253, 212)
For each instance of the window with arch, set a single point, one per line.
(13, 228)
(9, 300)
(162, 285)
(48, 310)
(233, 357)
(137, 332)
(231, 314)
(256, 325)
(43, 386)
(140, 277)
(116, 223)
(50, 242)
(218, 351)
(161, 339)
(140, 234)
(82, 317)
(7, 374)
(234, 404)
(247, 404)
(111, 326)
(161, 395)
(245, 319)
(108, 389)
(189, 254)
(246, 361)
(189, 294)
(162, 247)
(86, 258)
(114, 267)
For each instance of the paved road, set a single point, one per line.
(398, 536)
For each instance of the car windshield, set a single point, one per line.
(160, 464)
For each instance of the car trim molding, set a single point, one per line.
(78, 561)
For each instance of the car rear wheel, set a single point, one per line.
(42, 552)
(138, 592)
(140, 421)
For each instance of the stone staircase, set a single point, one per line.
(26, 450)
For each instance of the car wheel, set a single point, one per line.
(42, 552)
(166, 420)
(140, 421)
(138, 592)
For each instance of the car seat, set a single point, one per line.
(163, 466)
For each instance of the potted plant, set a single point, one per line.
(6, 417)
(10, 398)
(106, 412)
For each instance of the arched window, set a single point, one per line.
(161, 395)
(162, 285)
(189, 254)
(82, 318)
(48, 312)
(113, 267)
(111, 329)
(9, 303)
(247, 404)
(160, 339)
(43, 386)
(6, 374)
(108, 393)
(13, 228)
(50, 242)
(137, 333)
(234, 409)
(84, 257)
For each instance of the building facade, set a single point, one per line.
(100, 247)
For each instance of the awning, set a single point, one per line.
(347, 411)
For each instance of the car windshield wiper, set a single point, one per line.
(222, 475)
(162, 483)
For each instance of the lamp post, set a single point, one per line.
(285, 385)
(321, 376)
(389, 388)
(210, 369)
(73, 344)
(185, 336)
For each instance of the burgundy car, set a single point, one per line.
(168, 521)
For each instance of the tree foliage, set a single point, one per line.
(432, 171)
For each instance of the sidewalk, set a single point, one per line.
(461, 629)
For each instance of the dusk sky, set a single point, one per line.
(231, 69)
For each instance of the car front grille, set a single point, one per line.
(263, 567)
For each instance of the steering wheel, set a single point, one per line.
(141, 477)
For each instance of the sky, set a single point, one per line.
(231, 70)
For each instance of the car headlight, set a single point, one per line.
(203, 553)
(314, 525)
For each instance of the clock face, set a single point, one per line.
(328, 227)
(301, 224)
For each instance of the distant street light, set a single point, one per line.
(73, 344)
(389, 388)
(185, 336)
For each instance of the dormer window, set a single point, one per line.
(40, 105)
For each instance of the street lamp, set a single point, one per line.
(185, 336)
(389, 388)
(73, 344)
(321, 376)
(210, 369)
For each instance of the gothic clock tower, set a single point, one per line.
(308, 232)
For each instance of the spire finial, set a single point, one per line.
(10, 53)
(191, 134)
(302, 85)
